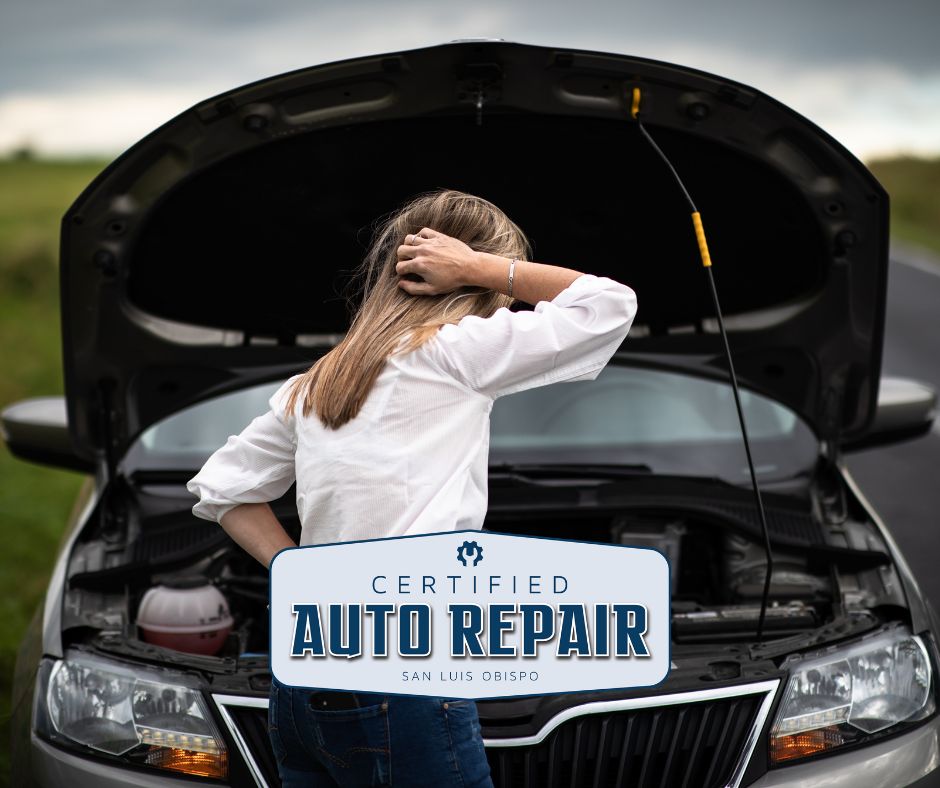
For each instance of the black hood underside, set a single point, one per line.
(213, 253)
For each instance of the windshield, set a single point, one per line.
(667, 421)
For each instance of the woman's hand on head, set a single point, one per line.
(443, 263)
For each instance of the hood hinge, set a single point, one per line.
(106, 426)
(832, 407)
(829, 494)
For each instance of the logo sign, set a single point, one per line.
(469, 614)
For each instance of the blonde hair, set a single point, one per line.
(337, 384)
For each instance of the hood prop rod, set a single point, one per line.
(707, 264)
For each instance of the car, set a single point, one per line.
(203, 267)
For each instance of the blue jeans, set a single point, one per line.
(396, 740)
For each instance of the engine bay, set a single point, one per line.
(717, 582)
(214, 596)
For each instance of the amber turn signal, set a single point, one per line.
(196, 764)
(799, 745)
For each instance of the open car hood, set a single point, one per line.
(210, 255)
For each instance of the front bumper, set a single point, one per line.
(909, 759)
(52, 767)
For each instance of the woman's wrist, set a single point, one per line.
(488, 270)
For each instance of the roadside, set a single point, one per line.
(34, 500)
(916, 256)
(914, 188)
(901, 481)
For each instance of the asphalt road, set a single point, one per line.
(903, 481)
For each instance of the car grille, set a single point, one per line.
(651, 743)
(696, 745)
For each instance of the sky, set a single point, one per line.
(81, 77)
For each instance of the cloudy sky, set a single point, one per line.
(92, 76)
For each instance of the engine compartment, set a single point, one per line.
(832, 572)
(143, 541)
(717, 574)
(717, 581)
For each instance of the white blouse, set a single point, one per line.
(415, 458)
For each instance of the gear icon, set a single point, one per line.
(470, 548)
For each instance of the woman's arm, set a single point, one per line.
(532, 282)
(252, 468)
(256, 530)
(577, 324)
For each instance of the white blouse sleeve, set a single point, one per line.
(571, 337)
(255, 466)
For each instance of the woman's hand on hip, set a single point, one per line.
(432, 263)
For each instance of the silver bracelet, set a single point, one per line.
(512, 268)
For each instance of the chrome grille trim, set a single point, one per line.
(249, 702)
(767, 688)
(753, 737)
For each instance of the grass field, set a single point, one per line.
(34, 501)
(914, 188)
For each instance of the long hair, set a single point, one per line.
(337, 384)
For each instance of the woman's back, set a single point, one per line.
(412, 461)
(388, 434)
(414, 458)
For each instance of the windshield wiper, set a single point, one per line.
(533, 472)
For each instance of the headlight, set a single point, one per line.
(142, 715)
(847, 694)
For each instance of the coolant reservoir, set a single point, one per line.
(185, 614)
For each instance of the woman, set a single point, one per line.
(388, 434)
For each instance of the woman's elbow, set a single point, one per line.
(626, 303)
(625, 311)
(622, 307)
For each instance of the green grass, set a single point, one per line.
(35, 501)
(913, 185)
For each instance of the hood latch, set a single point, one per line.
(479, 83)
